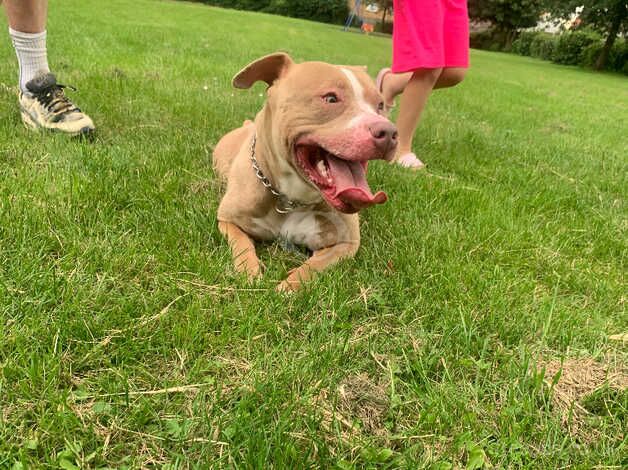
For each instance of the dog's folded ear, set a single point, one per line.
(267, 69)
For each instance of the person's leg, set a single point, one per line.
(450, 76)
(43, 104)
(393, 84)
(413, 100)
(431, 37)
(415, 89)
(27, 28)
(27, 16)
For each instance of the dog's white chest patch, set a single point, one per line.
(301, 228)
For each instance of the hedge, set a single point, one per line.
(522, 44)
(543, 46)
(617, 58)
(326, 11)
(569, 47)
(572, 48)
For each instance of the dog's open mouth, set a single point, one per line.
(341, 182)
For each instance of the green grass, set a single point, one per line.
(423, 350)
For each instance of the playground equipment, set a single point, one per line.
(355, 12)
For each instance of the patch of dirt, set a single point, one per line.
(358, 406)
(556, 127)
(206, 186)
(200, 186)
(6, 412)
(578, 379)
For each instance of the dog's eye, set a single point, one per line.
(331, 98)
(380, 106)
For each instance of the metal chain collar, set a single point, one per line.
(284, 205)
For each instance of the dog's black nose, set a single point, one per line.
(384, 135)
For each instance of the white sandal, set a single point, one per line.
(410, 160)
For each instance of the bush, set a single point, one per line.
(490, 40)
(581, 47)
(253, 5)
(522, 44)
(326, 11)
(617, 58)
(589, 55)
(619, 53)
(570, 46)
(481, 39)
(543, 46)
(386, 28)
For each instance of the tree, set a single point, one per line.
(507, 16)
(609, 17)
(385, 5)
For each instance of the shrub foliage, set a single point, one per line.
(581, 47)
(326, 11)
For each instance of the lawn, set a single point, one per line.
(128, 341)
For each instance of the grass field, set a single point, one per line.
(128, 341)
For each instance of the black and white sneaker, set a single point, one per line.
(45, 106)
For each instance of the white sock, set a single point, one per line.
(31, 54)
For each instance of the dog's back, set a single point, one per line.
(229, 146)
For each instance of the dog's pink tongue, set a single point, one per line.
(351, 185)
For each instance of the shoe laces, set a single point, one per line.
(53, 98)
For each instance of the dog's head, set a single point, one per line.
(326, 122)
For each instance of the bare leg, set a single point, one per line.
(242, 249)
(415, 89)
(27, 16)
(320, 260)
(413, 101)
(394, 83)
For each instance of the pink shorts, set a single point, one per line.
(429, 34)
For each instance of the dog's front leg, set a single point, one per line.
(242, 249)
(319, 261)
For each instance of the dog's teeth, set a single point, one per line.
(322, 168)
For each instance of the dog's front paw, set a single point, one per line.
(288, 286)
(295, 280)
(251, 267)
(253, 274)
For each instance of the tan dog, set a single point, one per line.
(299, 171)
